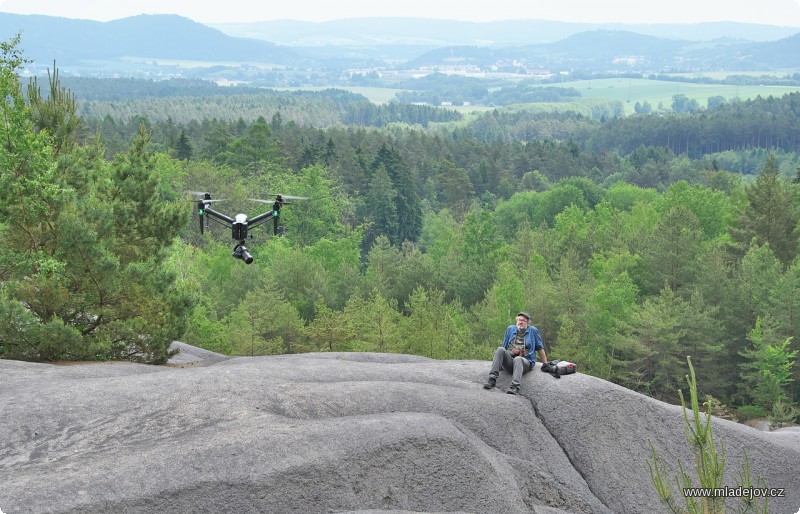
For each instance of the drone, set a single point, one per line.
(240, 224)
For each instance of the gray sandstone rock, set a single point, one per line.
(330, 432)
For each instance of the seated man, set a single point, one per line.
(517, 353)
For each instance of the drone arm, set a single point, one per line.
(261, 218)
(218, 215)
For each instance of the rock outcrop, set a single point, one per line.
(331, 432)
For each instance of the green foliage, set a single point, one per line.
(29, 193)
(670, 251)
(782, 413)
(341, 262)
(533, 208)
(440, 234)
(88, 280)
(255, 147)
(709, 465)
(406, 200)
(758, 123)
(381, 204)
(568, 344)
(746, 412)
(397, 272)
(757, 277)
(454, 189)
(670, 327)
(264, 323)
(322, 216)
(504, 299)
(771, 215)
(712, 208)
(196, 99)
(612, 306)
(375, 321)
(435, 328)
(422, 241)
(784, 300)
(767, 369)
(681, 104)
(56, 113)
(24, 337)
(330, 330)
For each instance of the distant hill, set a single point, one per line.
(461, 55)
(143, 44)
(784, 53)
(613, 43)
(430, 32)
(68, 41)
(616, 49)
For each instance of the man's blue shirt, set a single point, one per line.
(533, 341)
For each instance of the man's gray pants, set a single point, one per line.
(503, 360)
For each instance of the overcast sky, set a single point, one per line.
(773, 12)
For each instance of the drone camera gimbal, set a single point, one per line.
(240, 252)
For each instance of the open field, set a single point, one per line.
(720, 75)
(630, 91)
(625, 90)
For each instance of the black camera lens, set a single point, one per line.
(240, 252)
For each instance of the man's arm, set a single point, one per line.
(538, 344)
(542, 355)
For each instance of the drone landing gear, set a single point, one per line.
(240, 252)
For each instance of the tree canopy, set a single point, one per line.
(414, 240)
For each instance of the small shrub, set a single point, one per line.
(747, 412)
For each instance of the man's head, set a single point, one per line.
(523, 318)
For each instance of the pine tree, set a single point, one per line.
(88, 280)
(709, 464)
(56, 113)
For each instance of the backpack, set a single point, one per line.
(558, 367)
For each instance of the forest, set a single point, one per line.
(633, 242)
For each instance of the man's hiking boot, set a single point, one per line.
(514, 389)
(490, 383)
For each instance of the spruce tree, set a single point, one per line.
(381, 208)
(407, 203)
(183, 147)
(770, 216)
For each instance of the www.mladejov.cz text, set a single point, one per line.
(734, 492)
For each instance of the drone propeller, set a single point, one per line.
(202, 203)
(289, 197)
(205, 197)
(195, 200)
(282, 197)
